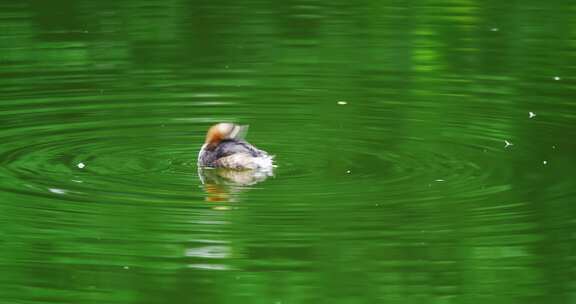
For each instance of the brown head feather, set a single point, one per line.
(222, 131)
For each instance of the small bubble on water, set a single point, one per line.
(81, 165)
(494, 29)
(342, 102)
(126, 267)
(545, 162)
(439, 180)
(348, 171)
(553, 147)
(531, 114)
(557, 78)
(508, 144)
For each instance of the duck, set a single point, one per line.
(225, 147)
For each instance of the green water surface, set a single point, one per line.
(425, 151)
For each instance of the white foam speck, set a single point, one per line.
(342, 102)
(508, 144)
(439, 180)
(531, 114)
(557, 78)
(494, 29)
(348, 171)
(57, 191)
(210, 266)
(81, 165)
(545, 162)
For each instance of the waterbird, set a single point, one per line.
(225, 147)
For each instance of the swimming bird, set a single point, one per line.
(225, 147)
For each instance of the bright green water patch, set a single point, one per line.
(410, 169)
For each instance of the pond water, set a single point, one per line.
(425, 151)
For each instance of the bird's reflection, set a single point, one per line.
(224, 185)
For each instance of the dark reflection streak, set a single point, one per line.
(66, 19)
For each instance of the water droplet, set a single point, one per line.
(81, 165)
(545, 162)
(557, 78)
(348, 171)
(342, 102)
